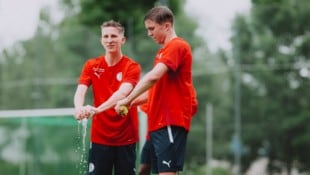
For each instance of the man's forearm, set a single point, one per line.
(141, 88)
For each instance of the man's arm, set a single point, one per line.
(121, 93)
(143, 85)
(79, 98)
(140, 100)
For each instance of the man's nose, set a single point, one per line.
(109, 39)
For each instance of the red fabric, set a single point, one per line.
(108, 127)
(143, 107)
(172, 100)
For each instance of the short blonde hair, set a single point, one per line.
(115, 24)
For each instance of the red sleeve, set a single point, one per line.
(172, 55)
(132, 74)
(85, 77)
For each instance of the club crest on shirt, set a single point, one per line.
(119, 76)
(98, 71)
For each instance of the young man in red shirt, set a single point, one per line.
(112, 77)
(171, 95)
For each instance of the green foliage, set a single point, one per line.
(202, 170)
(221, 171)
(270, 45)
(92, 13)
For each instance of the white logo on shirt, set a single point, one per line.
(119, 76)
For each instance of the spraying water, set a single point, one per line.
(81, 148)
(84, 132)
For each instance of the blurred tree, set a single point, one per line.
(38, 71)
(275, 81)
(91, 14)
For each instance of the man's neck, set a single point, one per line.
(170, 37)
(113, 58)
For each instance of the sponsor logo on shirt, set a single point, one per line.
(98, 71)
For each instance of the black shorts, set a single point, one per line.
(168, 150)
(146, 153)
(103, 160)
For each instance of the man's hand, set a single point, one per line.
(84, 112)
(121, 107)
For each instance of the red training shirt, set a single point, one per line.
(172, 100)
(108, 127)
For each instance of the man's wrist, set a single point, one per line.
(127, 100)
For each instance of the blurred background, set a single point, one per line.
(251, 72)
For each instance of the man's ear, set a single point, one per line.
(123, 40)
(168, 25)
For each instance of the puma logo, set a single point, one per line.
(166, 163)
(98, 71)
(97, 74)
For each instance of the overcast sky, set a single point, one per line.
(215, 17)
(18, 19)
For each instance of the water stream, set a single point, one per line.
(81, 146)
